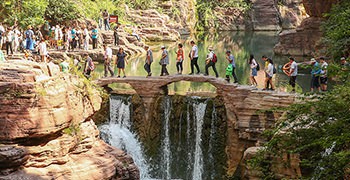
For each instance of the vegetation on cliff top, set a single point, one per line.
(35, 12)
(206, 17)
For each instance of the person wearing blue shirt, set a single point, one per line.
(74, 41)
(315, 73)
(94, 36)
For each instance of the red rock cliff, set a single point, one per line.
(44, 130)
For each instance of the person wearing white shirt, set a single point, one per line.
(9, 39)
(269, 74)
(17, 36)
(194, 57)
(43, 50)
(293, 72)
(108, 60)
(323, 78)
(253, 70)
(86, 36)
(211, 62)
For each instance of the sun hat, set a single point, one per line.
(342, 59)
(210, 48)
(313, 60)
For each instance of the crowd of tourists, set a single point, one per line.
(35, 42)
(319, 67)
(38, 40)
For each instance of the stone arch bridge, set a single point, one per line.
(242, 102)
(248, 110)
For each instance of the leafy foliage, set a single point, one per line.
(318, 130)
(337, 31)
(206, 11)
(34, 12)
(61, 11)
(25, 12)
(141, 4)
(92, 9)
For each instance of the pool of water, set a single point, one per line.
(241, 44)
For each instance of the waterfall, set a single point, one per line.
(117, 132)
(188, 140)
(211, 143)
(199, 110)
(186, 147)
(166, 159)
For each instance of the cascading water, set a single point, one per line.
(117, 132)
(199, 110)
(166, 141)
(188, 141)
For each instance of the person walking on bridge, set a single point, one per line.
(179, 59)
(194, 57)
(164, 62)
(231, 60)
(121, 62)
(211, 61)
(108, 60)
(149, 60)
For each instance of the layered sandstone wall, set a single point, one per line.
(44, 128)
(305, 39)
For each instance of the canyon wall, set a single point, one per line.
(45, 130)
(305, 39)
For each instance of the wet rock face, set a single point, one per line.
(44, 133)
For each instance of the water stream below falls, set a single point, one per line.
(190, 139)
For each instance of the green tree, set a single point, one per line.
(62, 11)
(318, 130)
(32, 12)
(25, 12)
(337, 31)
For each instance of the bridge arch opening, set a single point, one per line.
(120, 88)
(191, 88)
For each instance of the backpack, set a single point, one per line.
(257, 67)
(229, 69)
(215, 58)
(274, 70)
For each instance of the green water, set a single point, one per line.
(241, 44)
